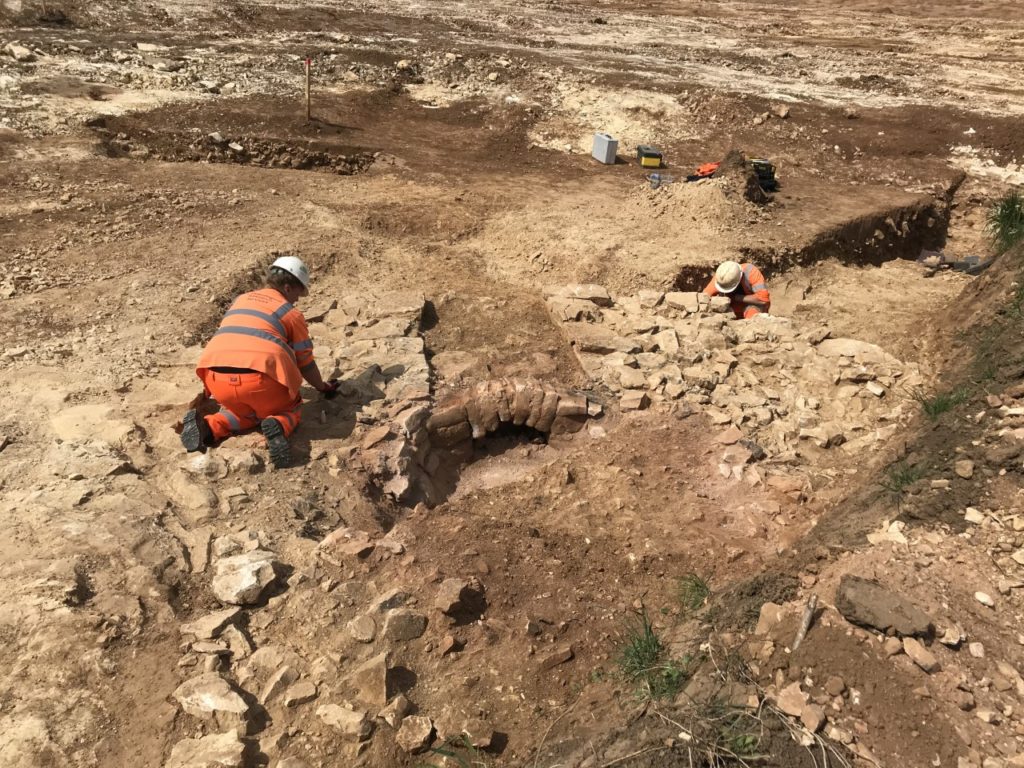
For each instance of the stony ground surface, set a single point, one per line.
(544, 434)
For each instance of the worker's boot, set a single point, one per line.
(277, 443)
(196, 434)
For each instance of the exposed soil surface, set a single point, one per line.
(707, 476)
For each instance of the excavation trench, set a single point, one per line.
(196, 147)
(899, 232)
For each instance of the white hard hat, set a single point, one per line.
(294, 267)
(728, 276)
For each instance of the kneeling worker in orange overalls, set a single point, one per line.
(744, 285)
(255, 363)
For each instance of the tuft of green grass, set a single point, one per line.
(693, 593)
(1006, 221)
(643, 648)
(900, 476)
(733, 733)
(943, 402)
(468, 756)
(644, 661)
(744, 744)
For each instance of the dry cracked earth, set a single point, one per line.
(565, 511)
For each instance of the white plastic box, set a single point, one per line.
(605, 148)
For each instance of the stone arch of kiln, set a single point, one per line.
(426, 446)
(522, 402)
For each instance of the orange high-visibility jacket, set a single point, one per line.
(265, 333)
(752, 282)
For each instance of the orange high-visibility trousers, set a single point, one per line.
(246, 399)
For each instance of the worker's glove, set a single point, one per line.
(330, 389)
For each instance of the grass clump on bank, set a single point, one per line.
(936, 405)
(901, 476)
(693, 593)
(645, 662)
(1006, 221)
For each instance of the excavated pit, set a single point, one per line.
(502, 457)
(900, 232)
(147, 144)
(506, 437)
(725, 447)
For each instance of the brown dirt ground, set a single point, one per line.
(122, 265)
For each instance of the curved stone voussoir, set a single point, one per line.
(521, 401)
(446, 437)
(451, 416)
(477, 417)
(499, 393)
(548, 411)
(536, 402)
(571, 405)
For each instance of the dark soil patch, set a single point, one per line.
(347, 132)
(71, 88)
(738, 607)
(170, 147)
(888, 702)
(874, 83)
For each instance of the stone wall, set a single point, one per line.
(787, 388)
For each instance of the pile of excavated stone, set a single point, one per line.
(235, 686)
(788, 389)
(828, 703)
(1003, 444)
(985, 468)
(942, 650)
(945, 609)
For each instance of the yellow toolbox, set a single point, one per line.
(649, 157)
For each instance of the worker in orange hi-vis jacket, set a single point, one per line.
(256, 362)
(744, 285)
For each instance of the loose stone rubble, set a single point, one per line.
(943, 648)
(209, 696)
(786, 387)
(415, 734)
(223, 750)
(787, 390)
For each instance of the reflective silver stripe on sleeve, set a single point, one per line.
(747, 272)
(301, 345)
